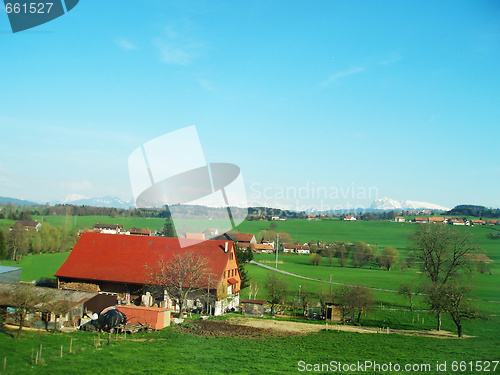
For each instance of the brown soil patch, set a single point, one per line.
(307, 328)
(224, 328)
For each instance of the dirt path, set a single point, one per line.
(306, 328)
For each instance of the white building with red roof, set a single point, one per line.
(118, 265)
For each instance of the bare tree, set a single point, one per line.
(342, 254)
(443, 254)
(25, 299)
(315, 259)
(457, 304)
(18, 240)
(388, 258)
(362, 253)
(329, 252)
(186, 273)
(58, 308)
(409, 290)
(354, 299)
(253, 289)
(277, 290)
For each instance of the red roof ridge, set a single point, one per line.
(98, 256)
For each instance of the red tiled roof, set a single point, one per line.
(262, 246)
(109, 257)
(420, 219)
(135, 230)
(195, 236)
(244, 237)
(436, 218)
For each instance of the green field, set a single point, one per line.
(378, 233)
(172, 352)
(37, 267)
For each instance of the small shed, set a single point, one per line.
(253, 307)
(155, 317)
(10, 274)
(332, 312)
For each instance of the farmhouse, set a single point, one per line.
(349, 218)
(437, 219)
(118, 265)
(493, 222)
(420, 220)
(477, 222)
(263, 248)
(29, 224)
(399, 219)
(139, 232)
(108, 228)
(456, 221)
(295, 248)
(240, 238)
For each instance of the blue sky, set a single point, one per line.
(360, 99)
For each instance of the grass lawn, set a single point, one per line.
(172, 352)
(36, 267)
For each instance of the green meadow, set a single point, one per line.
(173, 352)
(37, 267)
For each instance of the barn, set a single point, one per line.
(120, 265)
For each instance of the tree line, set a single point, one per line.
(13, 212)
(18, 242)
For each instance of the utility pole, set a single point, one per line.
(209, 309)
(331, 299)
(277, 245)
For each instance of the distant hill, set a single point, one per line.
(98, 202)
(472, 210)
(18, 202)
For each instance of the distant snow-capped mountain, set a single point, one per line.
(387, 204)
(98, 202)
(74, 197)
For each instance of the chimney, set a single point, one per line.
(225, 248)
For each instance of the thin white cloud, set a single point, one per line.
(206, 84)
(342, 74)
(126, 44)
(391, 58)
(177, 46)
(170, 54)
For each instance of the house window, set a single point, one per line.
(230, 256)
(224, 274)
